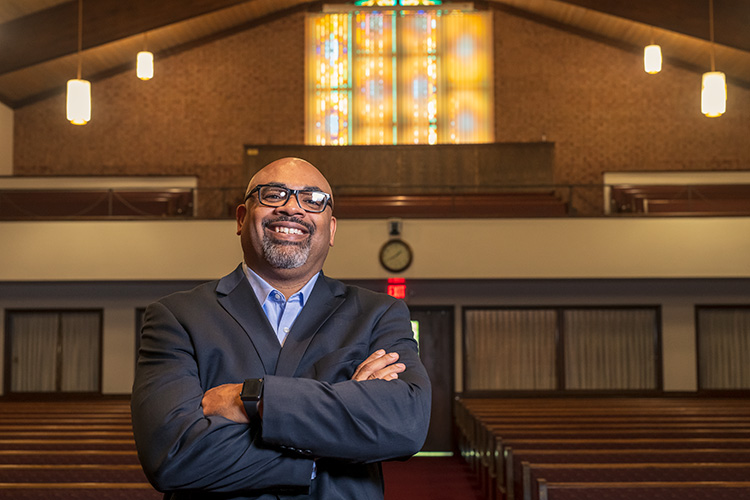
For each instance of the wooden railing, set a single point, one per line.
(525, 204)
(392, 202)
(95, 203)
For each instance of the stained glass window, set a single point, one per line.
(393, 3)
(409, 76)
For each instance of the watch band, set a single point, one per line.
(252, 389)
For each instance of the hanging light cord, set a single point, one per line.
(711, 33)
(80, 35)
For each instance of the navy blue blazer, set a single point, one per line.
(217, 333)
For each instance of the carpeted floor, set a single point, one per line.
(430, 478)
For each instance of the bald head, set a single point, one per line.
(291, 168)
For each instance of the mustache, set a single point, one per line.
(310, 227)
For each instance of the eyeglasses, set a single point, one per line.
(309, 200)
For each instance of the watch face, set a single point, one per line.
(395, 255)
(252, 389)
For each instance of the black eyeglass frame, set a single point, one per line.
(290, 192)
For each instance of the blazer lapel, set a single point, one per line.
(327, 296)
(236, 296)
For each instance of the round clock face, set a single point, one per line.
(395, 255)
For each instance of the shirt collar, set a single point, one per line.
(262, 289)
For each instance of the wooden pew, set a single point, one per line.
(705, 199)
(698, 207)
(482, 205)
(68, 443)
(492, 453)
(515, 459)
(78, 491)
(82, 449)
(475, 417)
(71, 473)
(682, 450)
(533, 473)
(485, 424)
(694, 490)
(85, 456)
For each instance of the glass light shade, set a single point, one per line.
(145, 65)
(79, 101)
(652, 59)
(714, 94)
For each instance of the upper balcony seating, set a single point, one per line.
(704, 199)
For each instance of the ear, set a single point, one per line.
(333, 230)
(241, 214)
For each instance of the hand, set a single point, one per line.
(224, 400)
(379, 365)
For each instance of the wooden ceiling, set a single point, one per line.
(39, 37)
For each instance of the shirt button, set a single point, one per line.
(286, 329)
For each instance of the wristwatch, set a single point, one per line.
(252, 389)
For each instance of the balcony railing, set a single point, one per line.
(95, 203)
(390, 201)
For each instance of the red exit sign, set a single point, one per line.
(397, 288)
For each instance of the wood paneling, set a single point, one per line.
(56, 29)
(416, 169)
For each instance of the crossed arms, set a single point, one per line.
(224, 400)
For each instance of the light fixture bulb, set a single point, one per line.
(79, 101)
(652, 59)
(145, 65)
(714, 94)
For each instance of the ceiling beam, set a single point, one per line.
(171, 51)
(53, 33)
(688, 17)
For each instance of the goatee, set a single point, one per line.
(287, 254)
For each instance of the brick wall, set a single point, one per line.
(591, 99)
(193, 118)
(603, 111)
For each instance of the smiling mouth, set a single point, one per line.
(290, 226)
(288, 230)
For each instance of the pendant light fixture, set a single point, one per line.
(144, 68)
(78, 102)
(652, 59)
(714, 84)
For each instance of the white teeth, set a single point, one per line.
(288, 230)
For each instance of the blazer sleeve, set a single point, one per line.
(181, 449)
(365, 421)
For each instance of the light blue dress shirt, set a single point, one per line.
(281, 313)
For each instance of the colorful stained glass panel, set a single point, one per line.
(399, 77)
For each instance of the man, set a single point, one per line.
(333, 386)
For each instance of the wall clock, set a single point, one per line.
(395, 255)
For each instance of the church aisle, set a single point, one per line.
(430, 478)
